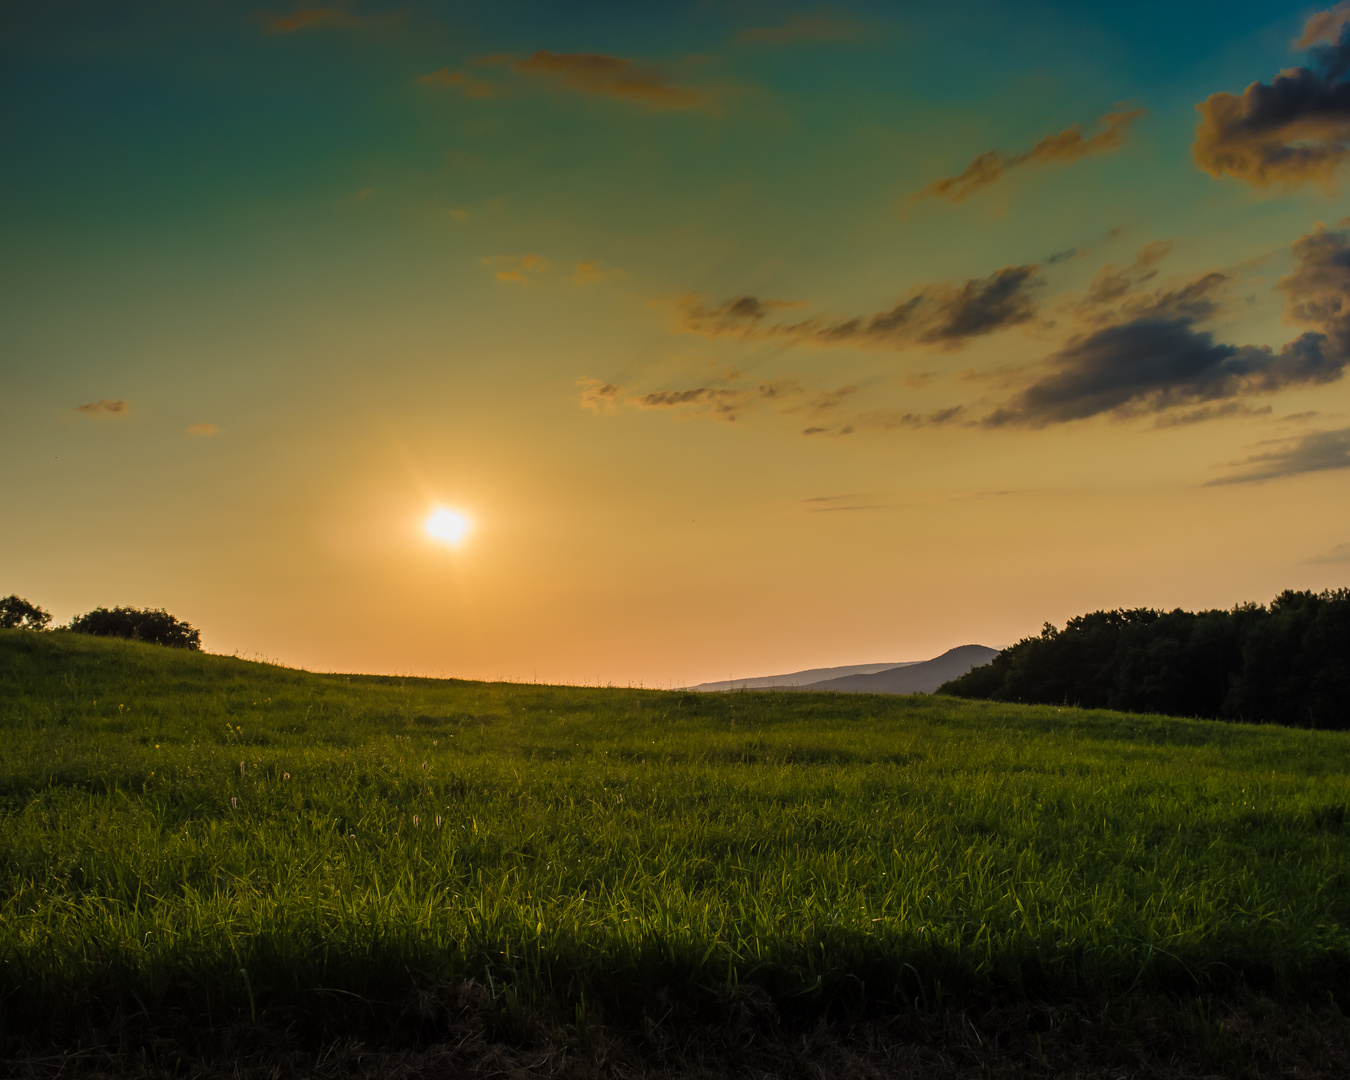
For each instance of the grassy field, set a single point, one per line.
(215, 841)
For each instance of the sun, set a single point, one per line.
(449, 526)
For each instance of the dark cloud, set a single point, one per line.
(943, 315)
(1314, 452)
(610, 76)
(104, 407)
(1317, 293)
(1158, 358)
(795, 29)
(1065, 146)
(1294, 129)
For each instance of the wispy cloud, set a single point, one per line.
(589, 271)
(1292, 130)
(834, 504)
(1339, 554)
(1063, 147)
(723, 397)
(610, 76)
(598, 396)
(1316, 451)
(458, 80)
(522, 269)
(104, 407)
(805, 27)
(1112, 281)
(942, 315)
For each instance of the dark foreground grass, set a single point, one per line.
(199, 852)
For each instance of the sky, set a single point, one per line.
(749, 336)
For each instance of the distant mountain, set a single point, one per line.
(922, 678)
(802, 678)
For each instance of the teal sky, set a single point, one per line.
(671, 302)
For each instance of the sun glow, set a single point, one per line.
(449, 526)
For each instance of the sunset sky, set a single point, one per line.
(750, 337)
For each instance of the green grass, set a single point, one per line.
(201, 836)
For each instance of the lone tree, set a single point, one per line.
(152, 624)
(18, 614)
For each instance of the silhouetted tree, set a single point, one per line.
(1288, 664)
(152, 624)
(18, 614)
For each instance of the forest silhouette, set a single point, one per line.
(1288, 663)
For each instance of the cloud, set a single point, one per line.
(471, 87)
(889, 420)
(943, 315)
(1314, 452)
(1066, 146)
(724, 397)
(819, 26)
(1290, 131)
(610, 76)
(1112, 282)
(719, 401)
(740, 316)
(1339, 554)
(591, 270)
(1071, 253)
(833, 504)
(104, 407)
(1210, 412)
(203, 429)
(1317, 293)
(1156, 357)
(518, 268)
(1325, 26)
(599, 396)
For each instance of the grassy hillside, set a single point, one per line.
(194, 835)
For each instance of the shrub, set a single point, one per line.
(18, 614)
(152, 624)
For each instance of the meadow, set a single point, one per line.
(205, 840)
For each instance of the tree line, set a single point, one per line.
(154, 625)
(1288, 663)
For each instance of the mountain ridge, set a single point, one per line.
(921, 678)
(800, 678)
